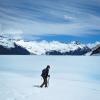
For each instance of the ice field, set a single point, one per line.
(72, 78)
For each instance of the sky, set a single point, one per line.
(61, 20)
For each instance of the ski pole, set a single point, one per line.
(48, 80)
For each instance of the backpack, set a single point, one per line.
(44, 73)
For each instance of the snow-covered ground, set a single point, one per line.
(72, 78)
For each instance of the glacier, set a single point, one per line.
(72, 77)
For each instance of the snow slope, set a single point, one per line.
(95, 51)
(6, 42)
(72, 78)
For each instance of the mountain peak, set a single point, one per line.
(76, 42)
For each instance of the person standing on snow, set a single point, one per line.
(45, 75)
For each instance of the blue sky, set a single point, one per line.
(61, 20)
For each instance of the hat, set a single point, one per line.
(48, 66)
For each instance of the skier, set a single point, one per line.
(45, 75)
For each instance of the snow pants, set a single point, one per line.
(44, 82)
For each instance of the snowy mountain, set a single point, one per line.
(96, 50)
(14, 46)
(9, 47)
(54, 48)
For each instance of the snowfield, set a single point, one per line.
(72, 78)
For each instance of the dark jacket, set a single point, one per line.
(45, 73)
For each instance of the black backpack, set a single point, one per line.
(44, 73)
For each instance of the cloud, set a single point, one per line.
(67, 17)
(36, 28)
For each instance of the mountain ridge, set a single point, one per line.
(47, 48)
